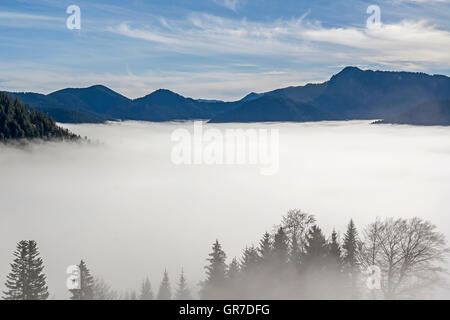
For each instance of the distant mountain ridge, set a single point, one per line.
(99, 103)
(434, 112)
(351, 94)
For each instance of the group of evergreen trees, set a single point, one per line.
(19, 122)
(295, 261)
(91, 288)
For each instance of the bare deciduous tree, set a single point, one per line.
(297, 223)
(102, 290)
(410, 254)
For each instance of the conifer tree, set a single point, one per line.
(350, 262)
(265, 248)
(280, 248)
(133, 295)
(249, 261)
(165, 292)
(26, 281)
(87, 283)
(350, 245)
(233, 280)
(182, 292)
(146, 290)
(316, 249)
(233, 270)
(216, 272)
(334, 249)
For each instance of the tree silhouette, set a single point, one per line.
(350, 259)
(334, 249)
(280, 248)
(216, 271)
(249, 261)
(165, 292)
(146, 290)
(26, 281)
(182, 292)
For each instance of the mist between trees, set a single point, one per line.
(293, 261)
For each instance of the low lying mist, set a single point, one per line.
(120, 204)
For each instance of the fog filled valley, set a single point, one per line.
(119, 202)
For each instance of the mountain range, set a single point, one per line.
(351, 94)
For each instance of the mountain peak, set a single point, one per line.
(98, 86)
(350, 70)
(347, 73)
(163, 93)
(162, 96)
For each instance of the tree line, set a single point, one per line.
(388, 259)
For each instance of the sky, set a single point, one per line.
(214, 49)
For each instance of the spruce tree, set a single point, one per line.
(233, 270)
(316, 249)
(182, 292)
(216, 271)
(350, 262)
(87, 283)
(350, 247)
(265, 248)
(280, 248)
(165, 292)
(26, 281)
(233, 283)
(146, 290)
(249, 261)
(334, 248)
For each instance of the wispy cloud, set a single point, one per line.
(423, 1)
(410, 44)
(230, 4)
(206, 34)
(24, 20)
(26, 16)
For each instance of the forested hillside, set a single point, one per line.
(19, 122)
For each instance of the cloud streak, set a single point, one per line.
(230, 4)
(407, 43)
(26, 16)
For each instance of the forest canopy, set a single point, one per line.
(19, 122)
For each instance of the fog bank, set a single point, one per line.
(123, 206)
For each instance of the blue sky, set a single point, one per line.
(214, 48)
